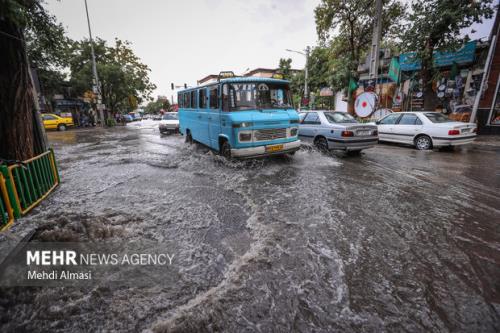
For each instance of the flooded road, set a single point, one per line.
(393, 240)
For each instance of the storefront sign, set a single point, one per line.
(409, 62)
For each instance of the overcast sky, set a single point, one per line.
(185, 40)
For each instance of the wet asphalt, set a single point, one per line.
(394, 240)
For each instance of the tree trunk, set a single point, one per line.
(17, 99)
(426, 76)
(39, 136)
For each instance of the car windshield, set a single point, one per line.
(255, 95)
(437, 117)
(339, 117)
(170, 116)
(463, 109)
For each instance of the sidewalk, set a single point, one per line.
(488, 140)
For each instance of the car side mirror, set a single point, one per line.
(377, 122)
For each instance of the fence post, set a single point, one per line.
(56, 169)
(8, 184)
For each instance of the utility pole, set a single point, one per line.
(306, 76)
(96, 84)
(375, 47)
(306, 70)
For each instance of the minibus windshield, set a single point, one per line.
(255, 95)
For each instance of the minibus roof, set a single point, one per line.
(238, 80)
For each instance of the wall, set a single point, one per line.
(340, 105)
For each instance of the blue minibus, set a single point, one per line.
(240, 117)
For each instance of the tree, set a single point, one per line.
(319, 73)
(155, 106)
(351, 22)
(121, 72)
(284, 67)
(319, 69)
(48, 54)
(435, 25)
(21, 132)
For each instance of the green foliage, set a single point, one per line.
(319, 69)
(319, 72)
(297, 86)
(155, 106)
(346, 27)
(437, 23)
(46, 43)
(121, 73)
(110, 122)
(284, 68)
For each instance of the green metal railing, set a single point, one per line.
(26, 184)
(6, 213)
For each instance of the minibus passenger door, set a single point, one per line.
(214, 120)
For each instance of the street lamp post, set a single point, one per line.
(94, 70)
(306, 69)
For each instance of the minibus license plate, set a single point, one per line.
(274, 148)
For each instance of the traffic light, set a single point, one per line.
(185, 86)
(172, 86)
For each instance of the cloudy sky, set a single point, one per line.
(185, 40)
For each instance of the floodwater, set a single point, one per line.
(393, 240)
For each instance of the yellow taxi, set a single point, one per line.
(53, 121)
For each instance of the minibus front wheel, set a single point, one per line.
(189, 138)
(225, 149)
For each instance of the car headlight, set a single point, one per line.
(294, 131)
(243, 124)
(245, 136)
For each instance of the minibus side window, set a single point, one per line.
(179, 100)
(214, 98)
(225, 98)
(193, 99)
(187, 100)
(202, 98)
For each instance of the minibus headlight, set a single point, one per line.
(293, 131)
(245, 136)
(244, 124)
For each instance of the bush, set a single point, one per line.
(110, 122)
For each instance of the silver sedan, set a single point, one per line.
(333, 130)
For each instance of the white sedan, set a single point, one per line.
(169, 123)
(425, 130)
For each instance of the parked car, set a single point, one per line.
(127, 118)
(169, 123)
(135, 116)
(157, 117)
(333, 130)
(425, 130)
(53, 121)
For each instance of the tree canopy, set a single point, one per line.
(155, 106)
(121, 73)
(350, 24)
(345, 28)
